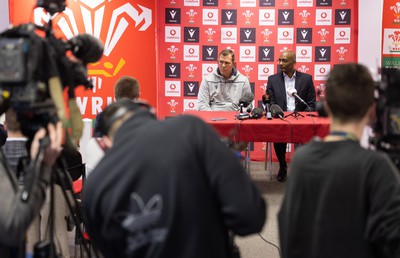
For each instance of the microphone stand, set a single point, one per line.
(295, 113)
(242, 115)
(268, 112)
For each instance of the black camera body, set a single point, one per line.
(387, 125)
(25, 67)
(35, 70)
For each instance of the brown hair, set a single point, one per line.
(12, 122)
(227, 52)
(126, 87)
(349, 91)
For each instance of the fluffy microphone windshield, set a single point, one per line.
(246, 99)
(256, 113)
(87, 48)
(276, 111)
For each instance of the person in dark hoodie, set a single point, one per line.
(167, 188)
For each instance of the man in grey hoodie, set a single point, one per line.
(223, 89)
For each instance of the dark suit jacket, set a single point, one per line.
(303, 84)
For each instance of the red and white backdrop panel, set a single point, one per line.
(191, 33)
(127, 30)
(391, 34)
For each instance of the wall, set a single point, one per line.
(369, 34)
(4, 18)
(117, 24)
(3, 25)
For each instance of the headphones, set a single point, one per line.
(117, 110)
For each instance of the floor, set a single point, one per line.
(254, 246)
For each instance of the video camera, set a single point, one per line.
(34, 71)
(387, 125)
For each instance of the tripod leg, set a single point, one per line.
(79, 219)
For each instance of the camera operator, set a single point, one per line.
(17, 214)
(167, 188)
(342, 200)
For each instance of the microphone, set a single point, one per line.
(266, 101)
(293, 92)
(277, 111)
(86, 47)
(256, 113)
(246, 99)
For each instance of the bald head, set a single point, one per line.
(286, 61)
(290, 54)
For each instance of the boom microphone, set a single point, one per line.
(86, 47)
(266, 101)
(277, 111)
(293, 92)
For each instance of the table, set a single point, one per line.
(291, 129)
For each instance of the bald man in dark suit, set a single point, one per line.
(279, 87)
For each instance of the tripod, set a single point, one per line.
(46, 248)
(62, 178)
(295, 114)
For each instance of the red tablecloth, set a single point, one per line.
(289, 129)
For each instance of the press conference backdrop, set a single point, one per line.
(257, 29)
(391, 34)
(192, 32)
